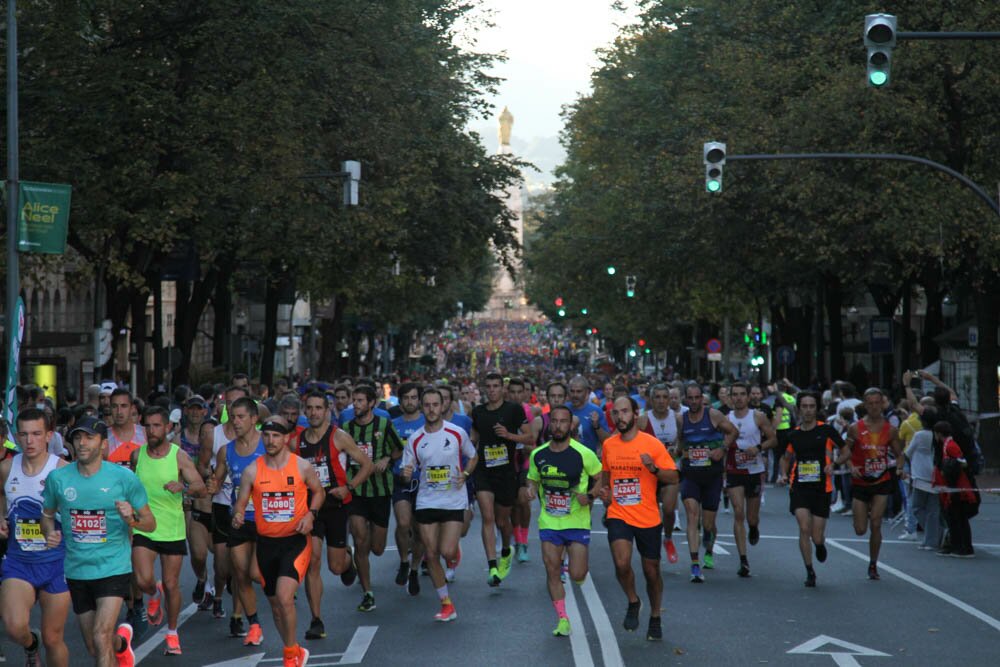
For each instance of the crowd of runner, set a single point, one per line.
(95, 499)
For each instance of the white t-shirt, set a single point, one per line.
(437, 463)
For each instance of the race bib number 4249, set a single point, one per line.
(626, 491)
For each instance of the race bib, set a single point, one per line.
(323, 472)
(496, 455)
(557, 503)
(367, 448)
(439, 477)
(874, 467)
(808, 471)
(626, 491)
(88, 526)
(744, 460)
(277, 506)
(698, 457)
(28, 533)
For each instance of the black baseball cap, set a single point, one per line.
(90, 425)
(275, 424)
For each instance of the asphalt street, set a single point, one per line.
(926, 610)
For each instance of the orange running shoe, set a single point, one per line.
(173, 645)
(255, 636)
(154, 608)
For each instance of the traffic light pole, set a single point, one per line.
(947, 35)
(962, 178)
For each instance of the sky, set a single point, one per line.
(550, 46)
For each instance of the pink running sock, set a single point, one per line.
(560, 606)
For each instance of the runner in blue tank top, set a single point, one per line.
(705, 436)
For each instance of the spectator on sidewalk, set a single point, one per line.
(923, 498)
(959, 498)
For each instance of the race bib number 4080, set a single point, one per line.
(88, 526)
(277, 506)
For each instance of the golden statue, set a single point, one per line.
(506, 121)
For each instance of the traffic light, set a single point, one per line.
(630, 286)
(757, 361)
(715, 158)
(583, 311)
(648, 351)
(612, 270)
(562, 312)
(559, 301)
(642, 342)
(631, 352)
(880, 38)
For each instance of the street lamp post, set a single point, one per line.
(13, 177)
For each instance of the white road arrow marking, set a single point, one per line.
(843, 658)
(244, 661)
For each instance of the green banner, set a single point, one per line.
(43, 219)
(14, 368)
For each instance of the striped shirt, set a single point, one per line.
(377, 439)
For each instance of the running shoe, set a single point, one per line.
(424, 572)
(207, 601)
(316, 629)
(446, 614)
(217, 610)
(413, 583)
(198, 593)
(810, 580)
(494, 579)
(351, 574)
(367, 602)
(563, 629)
(655, 631)
(298, 660)
(127, 657)
(821, 553)
(744, 570)
(236, 627)
(696, 577)
(564, 572)
(668, 544)
(503, 565)
(522, 553)
(449, 574)
(154, 608)
(137, 620)
(907, 536)
(631, 623)
(964, 554)
(754, 535)
(31, 657)
(873, 572)
(403, 573)
(708, 562)
(255, 636)
(173, 645)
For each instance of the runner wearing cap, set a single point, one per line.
(98, 502)
(281, 484)
(31, 571)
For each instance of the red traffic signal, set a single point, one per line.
(559, 301)
(642, 342)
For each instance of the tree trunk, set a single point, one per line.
(933, 320)
(987, 302)
(834, 294)
(157, 341)
(139, 340)
(906, 339)
(192, 299)
(222, 303)
(269, 344)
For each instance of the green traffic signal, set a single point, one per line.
(713, 185)
(631, 352)
(562, 312)
(878, 78)
(583, 311)
(630, 293)
(612, 270)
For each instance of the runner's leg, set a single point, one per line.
(55, 610)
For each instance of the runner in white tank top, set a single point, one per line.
(745, 469)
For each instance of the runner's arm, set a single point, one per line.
(4, 472)
(309, 476)
(246, 484)
(770, 435)
(848, 447)
(190, 475)
(146, 521)
(785, 465)
(897, 449)
(205, 452)
(345, 443)
(218, 476)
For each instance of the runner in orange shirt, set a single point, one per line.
(280, 483)
(633, 464)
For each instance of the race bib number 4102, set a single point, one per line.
(88, 526)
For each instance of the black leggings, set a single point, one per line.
(958, 527)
